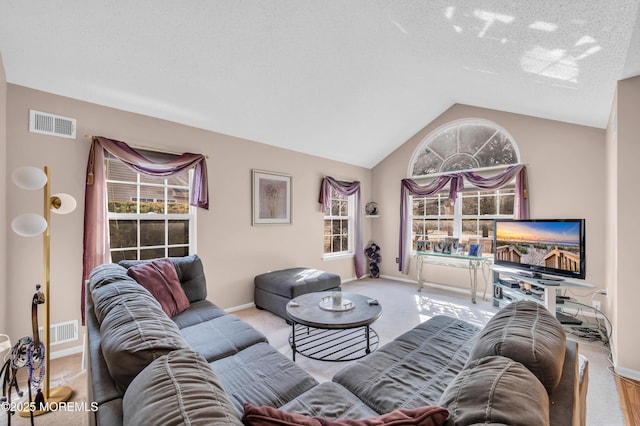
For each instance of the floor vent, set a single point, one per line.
(50, 124)
(62, 332)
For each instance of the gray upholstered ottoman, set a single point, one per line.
(273, 290)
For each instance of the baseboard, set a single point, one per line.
(66, 352)
(241, 307)
(628, 373)
(404, 280)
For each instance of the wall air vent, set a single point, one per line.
(61, 333)
(50, 124)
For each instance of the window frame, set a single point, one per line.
(143, 181)
(350, 224)
(456, 215)
(458, 124)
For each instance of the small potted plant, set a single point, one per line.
(373, 253)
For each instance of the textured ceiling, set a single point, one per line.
(349, 80)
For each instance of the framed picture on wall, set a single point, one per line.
(271, 201)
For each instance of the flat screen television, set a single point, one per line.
(541, 246)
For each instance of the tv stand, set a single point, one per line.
(550, 285)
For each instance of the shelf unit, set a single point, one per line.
(549, 285)
(546, 296)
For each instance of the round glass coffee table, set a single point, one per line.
(333, 330)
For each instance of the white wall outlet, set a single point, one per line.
(596, 304)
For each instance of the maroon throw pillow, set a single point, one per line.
(269, 416)
(159, 276)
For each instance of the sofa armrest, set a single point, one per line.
(567, 403)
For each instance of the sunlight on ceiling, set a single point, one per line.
(559, 63)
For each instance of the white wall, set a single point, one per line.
(232, 250)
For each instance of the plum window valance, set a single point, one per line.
(456, 184)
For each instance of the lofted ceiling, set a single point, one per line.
(348, 80)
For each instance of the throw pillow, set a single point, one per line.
(160, 278)
(269, 416)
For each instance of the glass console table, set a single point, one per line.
(473, 264)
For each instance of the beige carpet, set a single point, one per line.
(402, 308)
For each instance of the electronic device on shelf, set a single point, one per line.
(567, 319)
(553, 247)
(549, 282)
(509, 282)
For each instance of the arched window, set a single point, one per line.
(464, 145)
(470, 145)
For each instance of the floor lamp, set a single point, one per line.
(31, 225)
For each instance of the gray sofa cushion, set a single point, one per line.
(199, 311)
(414, 369)
(261, 375)
(331, 401)
(134, 329)
(175, 389)
(526, 332)
(190, 273)
(109, 413)
(221, 337)
(496, 390)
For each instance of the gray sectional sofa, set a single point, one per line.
(203, 365)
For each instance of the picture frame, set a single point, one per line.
(423, 245)
(475, 250)
(449, 245)
(271, 197)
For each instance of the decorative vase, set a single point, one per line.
(373, 253)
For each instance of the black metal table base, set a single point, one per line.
(333, 344)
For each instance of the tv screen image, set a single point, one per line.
(550, 246)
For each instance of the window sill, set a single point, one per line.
(330, 257)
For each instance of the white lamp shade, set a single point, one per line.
(29, 225)
(29, 177)
(67, 203)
